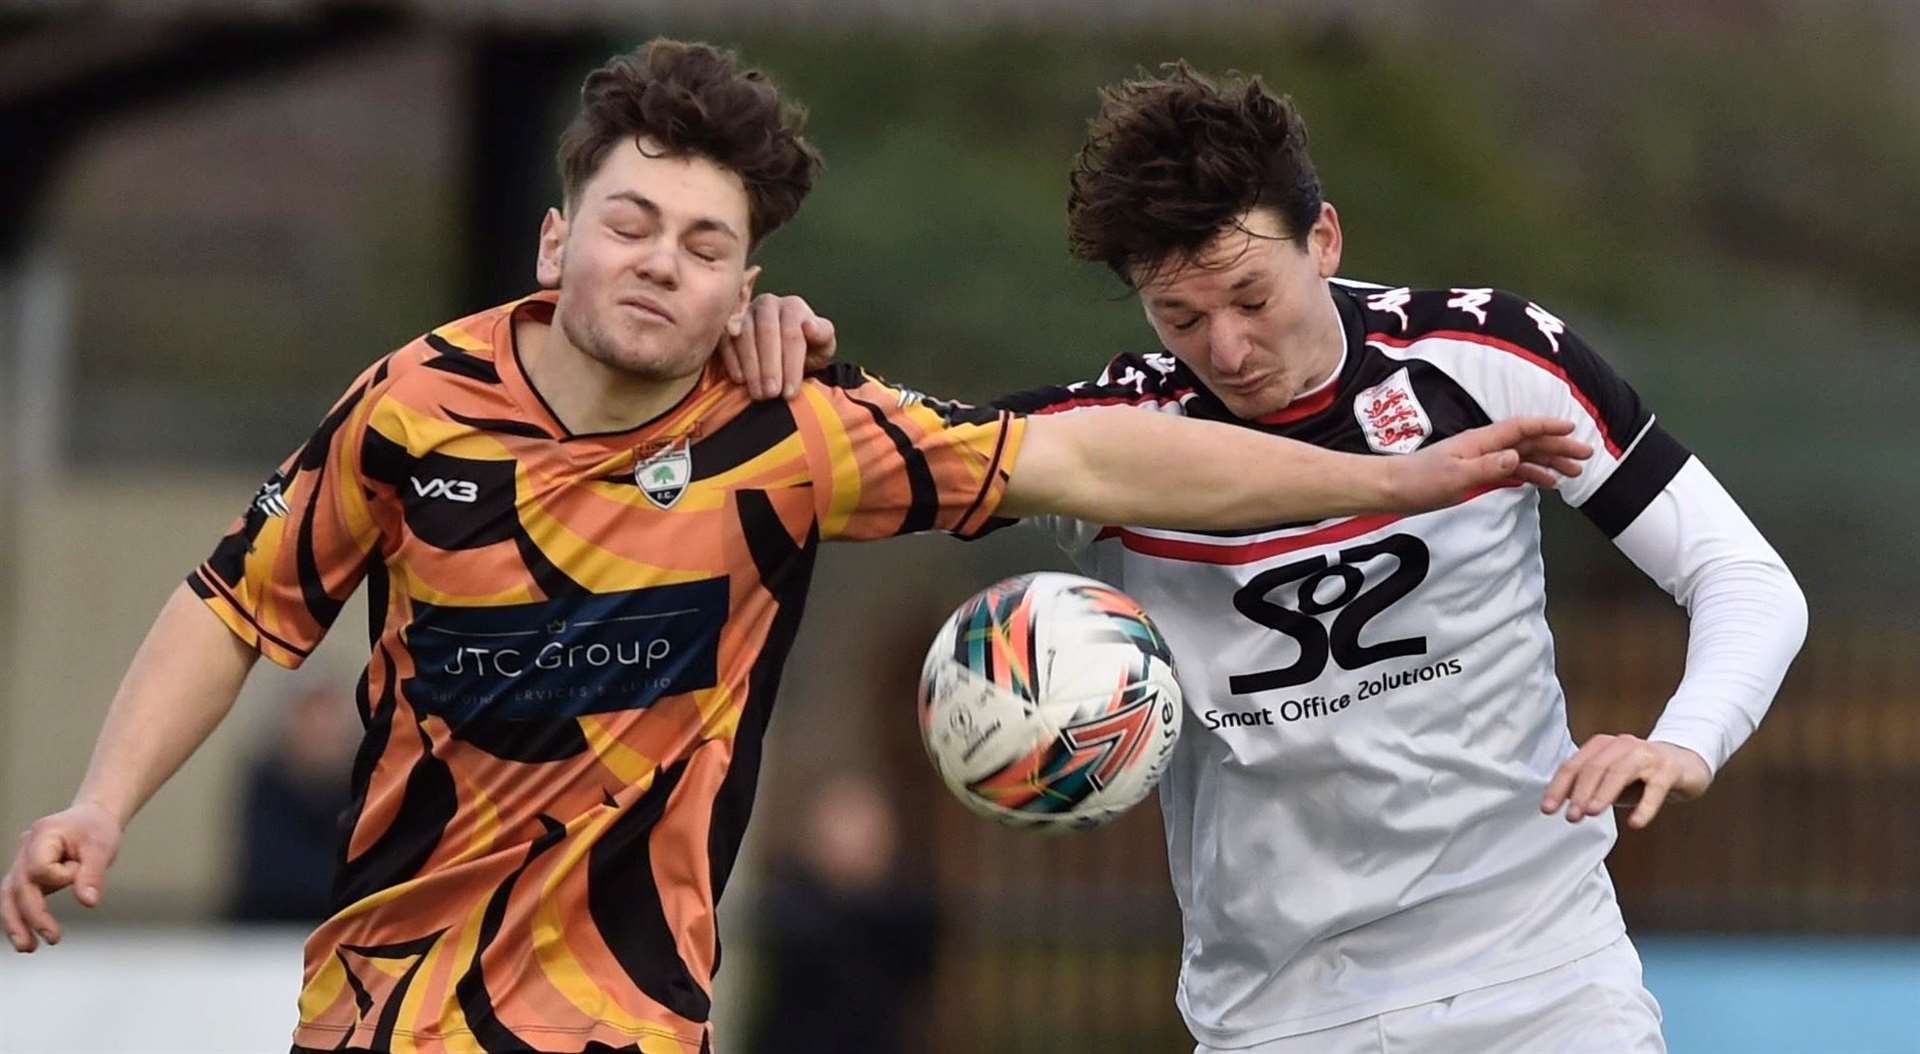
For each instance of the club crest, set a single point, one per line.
(663, 475)
(1391, 417)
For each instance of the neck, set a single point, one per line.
(1328, 342)
(588, 395)
(1331, 344)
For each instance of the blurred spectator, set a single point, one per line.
(294, 795)
(849, 948)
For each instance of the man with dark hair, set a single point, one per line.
(1360, 811)
(586, 557)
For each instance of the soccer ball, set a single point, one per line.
(1048, 701)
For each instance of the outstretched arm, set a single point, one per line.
(1126, 466)
(1121, 465)
(181, 683)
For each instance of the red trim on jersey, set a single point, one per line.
(1302, 408)
(1245, 552)
(1077, 402)
(1482, 339)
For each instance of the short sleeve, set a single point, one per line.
(1634, 456)
(286, 567)
(1516, 358)
(888, 460)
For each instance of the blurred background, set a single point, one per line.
(213, 215)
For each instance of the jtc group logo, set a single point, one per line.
(558, 659)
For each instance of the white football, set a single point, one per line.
(1049, 700)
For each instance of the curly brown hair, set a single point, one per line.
(694, 100)
(1171, 160)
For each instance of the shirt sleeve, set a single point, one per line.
(1516, 358)
(286, 567)
(1746, 616)
(888, 460)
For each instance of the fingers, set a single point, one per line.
(1513, 430)
(90, 873)
(1583, 799)
(1566, 446)
(731, 350)
(793, 351)
(793, 363)
(1598, 775)
(1561, 466)
(1628, 767)
(1499, 464)
(1546, 460)
(763, 368)
(1659, 785)
(10, 920)
(31, 902)
(1561, 453)
(49, 868)
(1561, 785)
(1537, 476)
(821, 342)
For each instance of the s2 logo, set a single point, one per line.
(1354, 604)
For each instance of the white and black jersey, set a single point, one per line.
(1352, 814)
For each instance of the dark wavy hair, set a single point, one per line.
(695, 101)
(1171, 160)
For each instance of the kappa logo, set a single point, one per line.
(1473, 301)
(271, 498)
(462, 490)
(1391, 416)
(1393, 301)
(1550, 327)
(663, 475)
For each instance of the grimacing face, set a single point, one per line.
(651, 261)
(1251, 314)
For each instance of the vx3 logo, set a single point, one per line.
(452, 489)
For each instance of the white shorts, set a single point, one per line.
(1592, 1005)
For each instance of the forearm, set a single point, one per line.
(181, 683)
(1746, 616)
(1157, 470)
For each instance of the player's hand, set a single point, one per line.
(70, 848)
(782, 339)
(1602, 772)
(1537, 450)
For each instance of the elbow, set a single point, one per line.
(1794, 615)
(1783, 600)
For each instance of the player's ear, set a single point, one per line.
(737, 321)
(553, 249)
(1324, 240)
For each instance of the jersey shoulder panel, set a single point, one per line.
(1515, 357)
(1518, 353)
(447, 359)
(1495, 318)
(1154, 379)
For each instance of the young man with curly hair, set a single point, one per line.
(1381, 834)
(586, 556)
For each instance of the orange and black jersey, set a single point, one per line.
(576, 641)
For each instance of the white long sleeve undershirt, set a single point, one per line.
(1747, 616)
